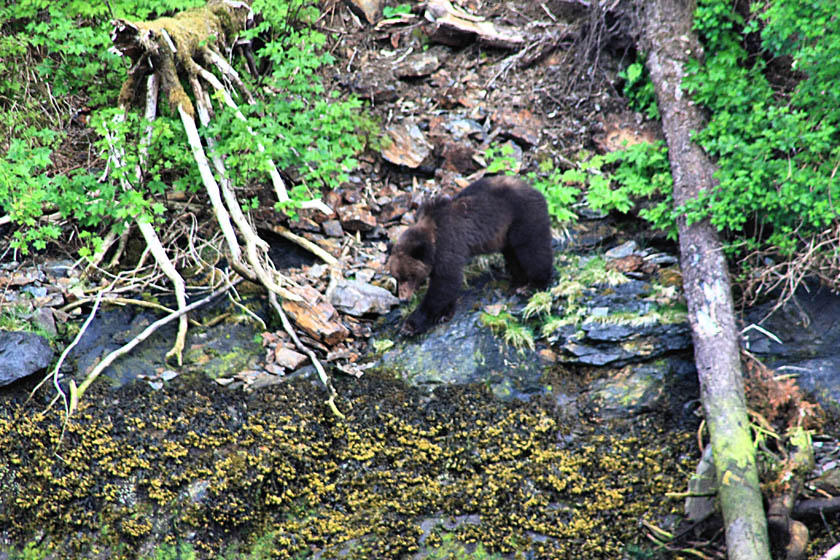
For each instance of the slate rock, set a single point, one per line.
(459, 158)
(22, 354)
(360, 298)
(371, 10)
(288, 358)
(418, 65)
(356, 217)
(620, 251)
(408, 146)
(523, 126)
(316, 316)
(394, 208)
(461, 128)
(333, 228)
(374, 81)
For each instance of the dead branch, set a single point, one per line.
(117, 156)
(54, 375)
(303, 242)
(322, 374)
(77, 392)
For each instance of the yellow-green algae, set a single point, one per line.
(227, 467)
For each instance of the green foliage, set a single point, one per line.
(55, 56)
(26, 189)
(392, 11)
(559, 194)
(452, 549)
(539, 304)
(513, 332)
(31, 551)
(551, 182)
(597, 186)
(616, 181)
(573, 277)
(310, 133)
(776, 151)
(303, 127)
(643, 172)
(639, 89)
(500, 159)
(21, 316)
(774, 129)
(181, 551)
(66, 45)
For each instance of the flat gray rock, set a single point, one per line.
(21, 354)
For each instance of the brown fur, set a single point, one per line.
(492, 214)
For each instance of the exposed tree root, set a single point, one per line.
(322, 374)
(117, 157)
(77, 392)
(305, 243)
(187, 46)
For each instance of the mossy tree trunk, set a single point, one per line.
(670, 42)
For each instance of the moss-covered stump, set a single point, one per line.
(228, 475)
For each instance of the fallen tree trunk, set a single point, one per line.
(670, 42)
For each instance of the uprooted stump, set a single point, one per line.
(179, 43)
(187, 47)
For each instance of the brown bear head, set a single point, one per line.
(412, 258)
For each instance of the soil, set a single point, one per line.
(571, 91)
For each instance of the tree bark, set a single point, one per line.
(669, 40)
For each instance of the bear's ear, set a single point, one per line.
(419, 252)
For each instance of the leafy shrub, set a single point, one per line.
(552, 183)
(392, 11)
(25, 188)
(302, 128)
(559, 194)
(776, 150)
(308, 132)
(769, 82)
(639, 89)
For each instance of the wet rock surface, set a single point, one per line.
(361, 298)
(461, 351)
(22, 354)
(437, 471)
(802, 339)
(408, 146)
(215, 351)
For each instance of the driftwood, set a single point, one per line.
(670, 42)
(453, 26)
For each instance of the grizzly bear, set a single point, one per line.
(492, 214)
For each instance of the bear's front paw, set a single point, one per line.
(416, 323)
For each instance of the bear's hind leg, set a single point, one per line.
(517, 274)
(531, 247)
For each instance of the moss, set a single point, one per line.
(195, 459)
